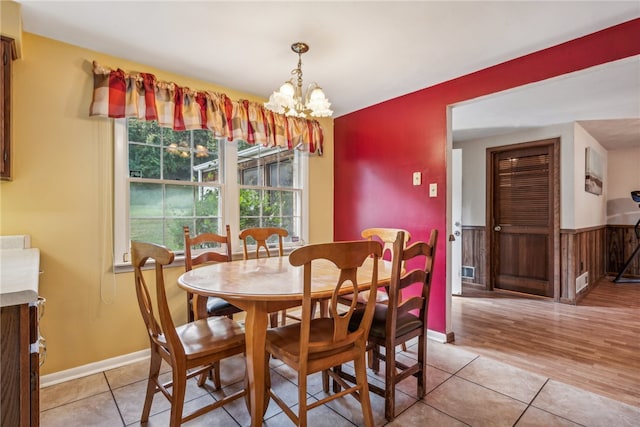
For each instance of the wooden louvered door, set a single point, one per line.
(523, 217)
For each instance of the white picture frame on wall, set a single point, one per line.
(593, 172)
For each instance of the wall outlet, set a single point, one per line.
(433, 190)
(417, 178)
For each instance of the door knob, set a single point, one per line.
(497, 228)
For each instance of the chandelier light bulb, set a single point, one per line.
(287, 89)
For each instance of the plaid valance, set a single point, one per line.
(118, 94)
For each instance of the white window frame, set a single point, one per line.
(230, 191)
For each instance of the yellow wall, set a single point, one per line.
(62, 191)
(11, 23)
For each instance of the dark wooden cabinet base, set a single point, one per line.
(19, 368)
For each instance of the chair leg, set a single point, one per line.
(390, 382)
(273, 320)
(154, 372)
(324, 307)
(360, 365)
(214, 375)
(375, 362)
(422, 361)
(336, 385)
(177, 398)
(302, 399)
(325, 380)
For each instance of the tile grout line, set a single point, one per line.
(113, 397)
(530, 405)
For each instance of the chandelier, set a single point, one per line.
(288, 99)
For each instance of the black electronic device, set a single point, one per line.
(635, 195)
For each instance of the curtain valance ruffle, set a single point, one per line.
(118, 94)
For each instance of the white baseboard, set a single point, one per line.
(437, 336)
(92, 368)
(125, 359)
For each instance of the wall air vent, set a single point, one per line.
(582, 281)
(468, 272)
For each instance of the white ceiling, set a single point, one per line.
(604, 100)
(361, 52)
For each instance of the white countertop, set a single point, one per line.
(19, 276)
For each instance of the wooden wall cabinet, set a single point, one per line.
(8, 55)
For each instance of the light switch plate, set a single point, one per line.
(417, 178)
(433, 190)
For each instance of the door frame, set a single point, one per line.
(554, 203)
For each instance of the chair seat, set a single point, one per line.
(405, 322)
(363, 297)
(213, 334)
(287, 339)
(219, 307)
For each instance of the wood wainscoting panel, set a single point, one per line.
(585, 250)
(621, 242)
(473, 253)
(581, 251)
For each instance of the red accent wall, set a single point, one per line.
(378, 148)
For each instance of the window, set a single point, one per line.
(165, 179)
(269, 191)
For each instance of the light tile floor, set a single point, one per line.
(463, 390)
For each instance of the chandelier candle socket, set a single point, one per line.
(288, 99)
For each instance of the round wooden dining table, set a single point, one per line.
(262, 286)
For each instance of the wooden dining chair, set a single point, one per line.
(208, 246)
(318, 344)
(388, 237)
(260, 236)
(190, 349)
(399, 320)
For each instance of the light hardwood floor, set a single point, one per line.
(594, 345)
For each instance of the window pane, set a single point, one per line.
(179, 201)
(249, 222)
(288, 203)
(208, 201)
(286, 173)
(173, 234)
(143, 132)
(250, 176)
(209, 225)
(147, 230)
(249, 203)
(250, 165)
(206, 161)
(144, 161)
(145, 200)
(288, 224)
(177, 163)
(271, 204)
